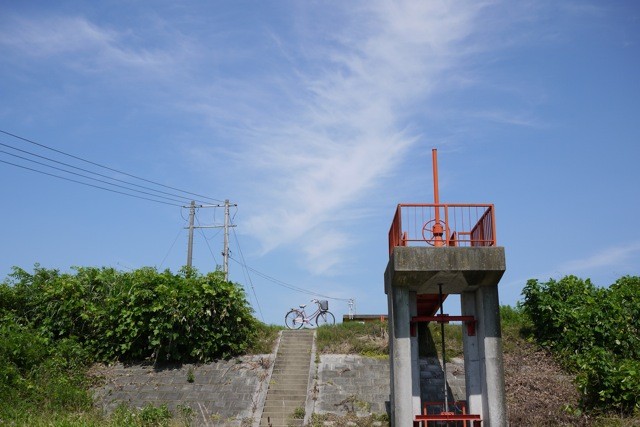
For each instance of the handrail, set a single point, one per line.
(419, 224)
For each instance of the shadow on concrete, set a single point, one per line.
(432, 376)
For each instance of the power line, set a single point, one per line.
(103, 166)
(245, 272)
(171, 247)
(86, 170)
(205, 240)
(87, 184)
(288, 285)
(89, 177)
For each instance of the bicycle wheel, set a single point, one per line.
(294, 319)
(325, 318)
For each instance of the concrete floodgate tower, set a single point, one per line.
(437, 250)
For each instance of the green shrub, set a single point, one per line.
(595, 332)
(142, 314)
(37, 376)
(53, 325)
(512, 316)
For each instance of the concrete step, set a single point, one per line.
(277, 391)
(294, 351)
(289, 393)
(286, 384)
(297, 361)
(286, 360)
(281, 422)
(286, 369)
(284, 415)
(295, 375)
(287, 406)
(289, 379)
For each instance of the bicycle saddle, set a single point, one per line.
(303, 305)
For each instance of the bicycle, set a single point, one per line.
(295, 318)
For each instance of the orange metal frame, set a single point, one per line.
(463, 224)
(467, 419)
(416, 224)
(469, 321)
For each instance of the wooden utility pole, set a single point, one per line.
(192, 214)
(227, 224)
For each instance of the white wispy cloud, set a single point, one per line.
(616, 256)
(314, 132)
(81, 44)
(349, 128)
(603, 266)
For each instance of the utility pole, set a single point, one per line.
(225, 250)
(227, 224)
(192, 214)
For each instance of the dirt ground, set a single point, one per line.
(538, 392)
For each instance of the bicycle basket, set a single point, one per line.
(324, 305)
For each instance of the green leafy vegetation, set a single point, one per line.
(595, 332)
(142, 314)
(38, 375)
(54, 325)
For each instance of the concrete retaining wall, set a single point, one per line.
(230, 393)
(225, 393)
(347, 383)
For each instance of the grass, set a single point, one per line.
(371, 339)
(265, 341)
(430, 344)
(350, 420)
(298, 413)
(123, 416)
(365, 339)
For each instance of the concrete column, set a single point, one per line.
(474, 372)
(483, 357)
(416, 401)
(493, 364)
(401, 363)
(390, 326)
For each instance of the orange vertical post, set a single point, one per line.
(436, 196)
(437, 230)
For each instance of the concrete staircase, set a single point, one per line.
(289, 380)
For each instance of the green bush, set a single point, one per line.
(53, 325)
(594, 331)
(39, 376)
(142, 314)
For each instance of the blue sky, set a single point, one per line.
(317, 118)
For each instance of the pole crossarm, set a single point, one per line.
(227, 224)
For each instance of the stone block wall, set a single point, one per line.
(432, 380)
(349, 383)
(225, 393)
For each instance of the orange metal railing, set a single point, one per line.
(449, 224)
